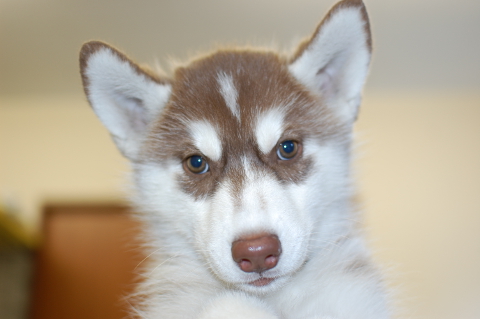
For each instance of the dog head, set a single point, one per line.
(241, 154)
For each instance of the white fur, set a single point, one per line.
(237, 305)
(269, 129)
(335, 64)
(324, 270)
(229, 93)
(222, 222)
(206, 139)
(309, 218)
(124, 100)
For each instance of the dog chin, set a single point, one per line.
(263, 285)
(260, 282)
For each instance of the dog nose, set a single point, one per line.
(257, 253)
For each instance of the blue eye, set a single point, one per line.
(287, 150)
(197, 164)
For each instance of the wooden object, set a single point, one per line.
(86, 264)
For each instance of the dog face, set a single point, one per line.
(242, 155)
(260, 141)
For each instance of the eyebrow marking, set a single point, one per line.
(269, 129)
(206, 139)
(229, 93)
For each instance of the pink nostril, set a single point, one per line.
(271, 261)
(256, 253)
(246, 265)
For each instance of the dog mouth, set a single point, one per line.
(260, 282)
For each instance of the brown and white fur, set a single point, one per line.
(231, 110)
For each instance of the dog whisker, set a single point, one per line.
(143, 260)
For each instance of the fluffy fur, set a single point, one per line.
(231, 111)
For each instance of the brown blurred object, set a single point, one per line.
(86, 264)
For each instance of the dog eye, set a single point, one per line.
(196, 164)
(287, 150)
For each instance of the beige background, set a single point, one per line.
(418, 159)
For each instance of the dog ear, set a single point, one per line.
(124, 96)
(333, 63)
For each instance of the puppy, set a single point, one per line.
(241, 164)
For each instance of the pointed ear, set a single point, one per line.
(333, 63)
(124, 96)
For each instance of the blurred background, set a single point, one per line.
(418, 154)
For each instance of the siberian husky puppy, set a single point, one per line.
(241, 162)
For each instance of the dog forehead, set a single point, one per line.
(242, 101)
(234, 108)
(231, 89)
(231, 85)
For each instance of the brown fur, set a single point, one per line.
(262, 81)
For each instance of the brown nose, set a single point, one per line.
(256, 253)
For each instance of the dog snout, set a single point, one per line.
(257, 253)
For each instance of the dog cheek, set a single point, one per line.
(295, 228)
(213, 233)
(159, 195)
(203, 226)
